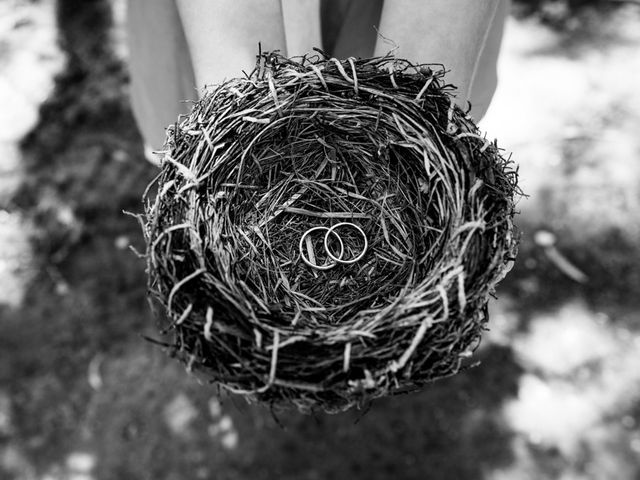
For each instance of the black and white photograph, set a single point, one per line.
(319, 239)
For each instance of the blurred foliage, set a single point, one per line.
(567, 14)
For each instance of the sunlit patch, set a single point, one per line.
(223, 429)
(179, 414)
(15, 126)
(504, 321)
(553, 413)
(10, 171)
(229, 440)
(29, 59)
(571, 121)
(577, 397)
(561, 342)
(215, 408)
(119, 10)
(78, 466)
(15, 258)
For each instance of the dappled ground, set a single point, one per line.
(83, 396)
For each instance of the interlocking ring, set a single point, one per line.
(332, 231)
(334, 259)
(308, 260)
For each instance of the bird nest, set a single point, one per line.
(325, 232)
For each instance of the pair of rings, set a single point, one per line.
(332, 259)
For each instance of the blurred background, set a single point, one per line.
(83, 396)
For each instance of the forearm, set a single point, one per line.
(450, 32)
(302, 26)
(223, 35)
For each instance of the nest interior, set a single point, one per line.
(313, 142)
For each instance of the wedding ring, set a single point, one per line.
(325, 266)
(332, 231)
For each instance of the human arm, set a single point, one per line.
(223, 36)
(450, 32)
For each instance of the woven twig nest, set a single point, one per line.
(375, 145)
